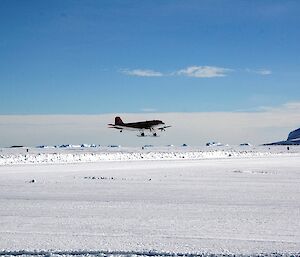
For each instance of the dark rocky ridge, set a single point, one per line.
(293, 139)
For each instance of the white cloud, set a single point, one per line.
(148, 110)
(291, 107)
(260, 71)
(264, 72)
(142, 73)
(204, 71)
(193, 71)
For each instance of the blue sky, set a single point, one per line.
(95, 57)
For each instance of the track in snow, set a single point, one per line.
(101, 253)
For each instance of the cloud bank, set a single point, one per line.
(268, 125)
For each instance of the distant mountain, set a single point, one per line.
(293, 139)
(294, 135)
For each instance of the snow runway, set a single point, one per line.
(222, 205)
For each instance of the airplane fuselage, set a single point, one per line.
(140, 126)
(143, 124)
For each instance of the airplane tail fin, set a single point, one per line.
(118, 121)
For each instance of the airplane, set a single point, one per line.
(141, 126)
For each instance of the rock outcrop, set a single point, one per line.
(294, 135)
(293, 139)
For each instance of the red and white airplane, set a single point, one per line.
(152, 125)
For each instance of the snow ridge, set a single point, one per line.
(84, 157)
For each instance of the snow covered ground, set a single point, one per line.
(77, 154)
(150, 202)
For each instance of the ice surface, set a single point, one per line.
(152, 202)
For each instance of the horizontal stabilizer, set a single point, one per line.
(115, 127)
